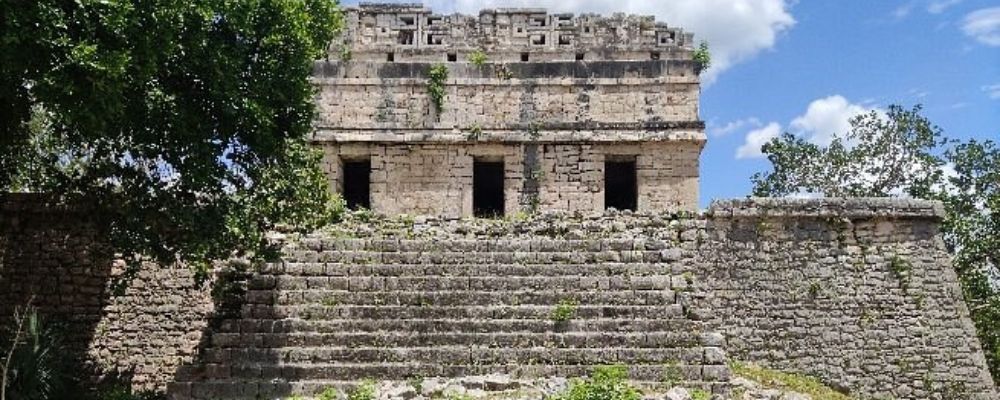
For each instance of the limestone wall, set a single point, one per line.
(860, 293)
(416, 33)
(436, 179)
(55, 258)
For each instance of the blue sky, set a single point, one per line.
(806, 67)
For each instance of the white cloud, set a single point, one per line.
(902, 11)
(983, 25)
(734, 126)
(993, 91)
(736, 30)
(825, 118)
(757, 139)
(939, 6)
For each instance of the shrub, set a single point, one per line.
(605, 383)
(565, 311)
(364, 391)
(328, 394)
(478, 58)
(435, 85)
(702, 57)
(36, 364)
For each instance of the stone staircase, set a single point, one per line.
(336, 311)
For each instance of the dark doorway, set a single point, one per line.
(621, 191)
(357, 184)
(487, 189)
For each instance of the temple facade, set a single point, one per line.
(513, 110)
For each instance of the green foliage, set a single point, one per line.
(877, 157)
(605, 383)
(901, 269)
(565, 311)
(328, 394)
(786, 381)
(437, 76)
(700, 394)
(182, 123)
(903, 153)
(474, 132)
(35, 364)
(672, 375)
(478, 58)
(364, 391)
(702, 57)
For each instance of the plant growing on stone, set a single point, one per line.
(604, 383)
(328, 394)
(364, 391)
(474, 132)
(702, 57)
(700, 394)
(478, 58)
(672, 374)
(901, 269)
(437, 76)
(565, 311)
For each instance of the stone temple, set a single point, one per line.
(539, 112)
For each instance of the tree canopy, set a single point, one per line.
(183, 121)
(901, 153)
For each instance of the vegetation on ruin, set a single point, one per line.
(35, 363)
(604, 383)
(786, 381)
(436, 78)
(565, 311)
(478, 58)
(364, 391)
(182, 123)
(702, 57)
(901, 153)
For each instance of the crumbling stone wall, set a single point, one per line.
(56, 259)
(860, 293)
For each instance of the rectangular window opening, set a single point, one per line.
(621, 190)
(580, 56)
(357, 183)
(487, 189)
(405, 37)
(524, 57)
(390, 57)
(452, 57)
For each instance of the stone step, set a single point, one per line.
(484, 283)
(322, 309)
(470, 269)
(272, 371)
(232, 389)
(569, 339)
(234, 359)
(461, 297)
(415, 326)
(534, 244)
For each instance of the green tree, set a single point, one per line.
(183, 121)
(902, 153)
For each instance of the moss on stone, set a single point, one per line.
(787, 381)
